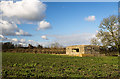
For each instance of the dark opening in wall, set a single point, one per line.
(75, 50)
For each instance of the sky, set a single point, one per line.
(80, 0)
(68, 23)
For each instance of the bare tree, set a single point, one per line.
(56, 45)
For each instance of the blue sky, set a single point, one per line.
(80, 0)
(70, 16)
(67, 19)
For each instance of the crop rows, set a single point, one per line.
(46, 65)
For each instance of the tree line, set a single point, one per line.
(55, 48)
(10, 45)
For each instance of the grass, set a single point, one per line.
(47, 65)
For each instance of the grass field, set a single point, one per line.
(47, 65)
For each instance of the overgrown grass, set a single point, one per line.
(47, 65)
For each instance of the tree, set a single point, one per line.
(39, 46)
(108, 31)
(30, 46)
(7, 45)
(94, 41)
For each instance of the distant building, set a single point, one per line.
(82, 50)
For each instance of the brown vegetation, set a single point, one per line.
(9, 47)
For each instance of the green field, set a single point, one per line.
(47, 65)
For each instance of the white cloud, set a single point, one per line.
(90, 18)
(44, 37)
(24, 11)
(32, 42)
(43, 25)
(74, 39)
(33, 10)
(15, 40)
(64, 40)
(21, 32)
(26, 42)
(10, 28)
(22, 40)
(1, 36)
(23, 44)
(19, 41)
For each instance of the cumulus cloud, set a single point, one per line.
(43, 25)
(26, 9)
(22, 42)
(44, 37)
(14, 40)
(21, 32)
(90, 18)
(10, 28)
(1, 36)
